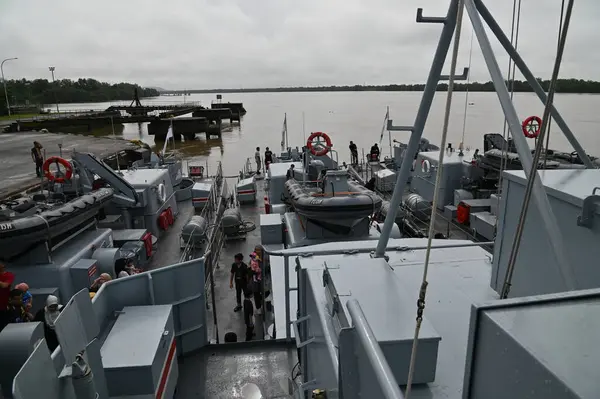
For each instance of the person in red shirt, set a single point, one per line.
(6, 281)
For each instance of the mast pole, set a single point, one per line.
(417, 130)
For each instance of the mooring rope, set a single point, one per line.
(566, 274)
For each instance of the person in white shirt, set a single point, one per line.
(258, 160)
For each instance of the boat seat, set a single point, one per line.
(23, 207)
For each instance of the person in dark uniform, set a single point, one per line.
(353, 153)
(248, 314)
(268, 157)
(37, 157)
(375, 152)
(239, 274)
(290, 173)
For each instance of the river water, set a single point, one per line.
(358, 116)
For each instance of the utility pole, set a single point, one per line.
(4, 82)
(51, 69)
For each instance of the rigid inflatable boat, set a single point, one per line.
(28, 222)
(340, 200)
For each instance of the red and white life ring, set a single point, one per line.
(531, 126)
(58, 161)
(315, 146)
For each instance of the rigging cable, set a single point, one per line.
(536, 159)
(462, 140)
(560, 23)
(514, 40)
(424, 283)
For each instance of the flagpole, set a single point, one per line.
(287, 144)
(389, 133)
(112, 124)
(173, 138)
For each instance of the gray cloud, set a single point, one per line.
(260, 43)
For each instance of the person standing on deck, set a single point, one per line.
(6, 281)
(375, 153)
(290, 173)
(268, 158)
(258, 160)
(239, 273)
(353, 153)
(256, 281)
(248, 314)
(37, 157)
(48, 316)
(15, 312)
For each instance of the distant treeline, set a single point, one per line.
(41, 91)
(563, 86)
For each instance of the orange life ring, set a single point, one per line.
(311, 143)
(531, 126)
(58, 160)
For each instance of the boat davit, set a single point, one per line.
(338, 199)
(29, 221)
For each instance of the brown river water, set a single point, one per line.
(358, 116)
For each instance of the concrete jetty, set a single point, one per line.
(17, 170)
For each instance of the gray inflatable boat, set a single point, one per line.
(355, 203)
(24, 224)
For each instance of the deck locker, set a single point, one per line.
(140, 353)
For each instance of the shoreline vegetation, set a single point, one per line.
(578, 86)
(27, 95)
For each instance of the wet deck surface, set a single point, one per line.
(169, 252)
(17, 170)
(228, 371)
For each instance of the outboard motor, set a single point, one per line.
(315, 169)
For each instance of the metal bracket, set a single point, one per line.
(433, 20)
(333, 298)
(391, 127)
(586, 219)
(372, 254)
(464, 75)
(299, 343)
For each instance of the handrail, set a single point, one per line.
(381, 368)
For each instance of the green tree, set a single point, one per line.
(42, 92)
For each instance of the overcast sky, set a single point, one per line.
(264, 43)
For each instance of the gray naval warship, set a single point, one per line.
(351, 307)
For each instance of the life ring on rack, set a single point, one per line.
(425, 166)
(161, 193)
(58, 161)
(315, 146)
(531, 126)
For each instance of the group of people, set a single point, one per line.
(373, 154)
(123, 268)
(248, 280)
(16, 306)
(258, 160)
